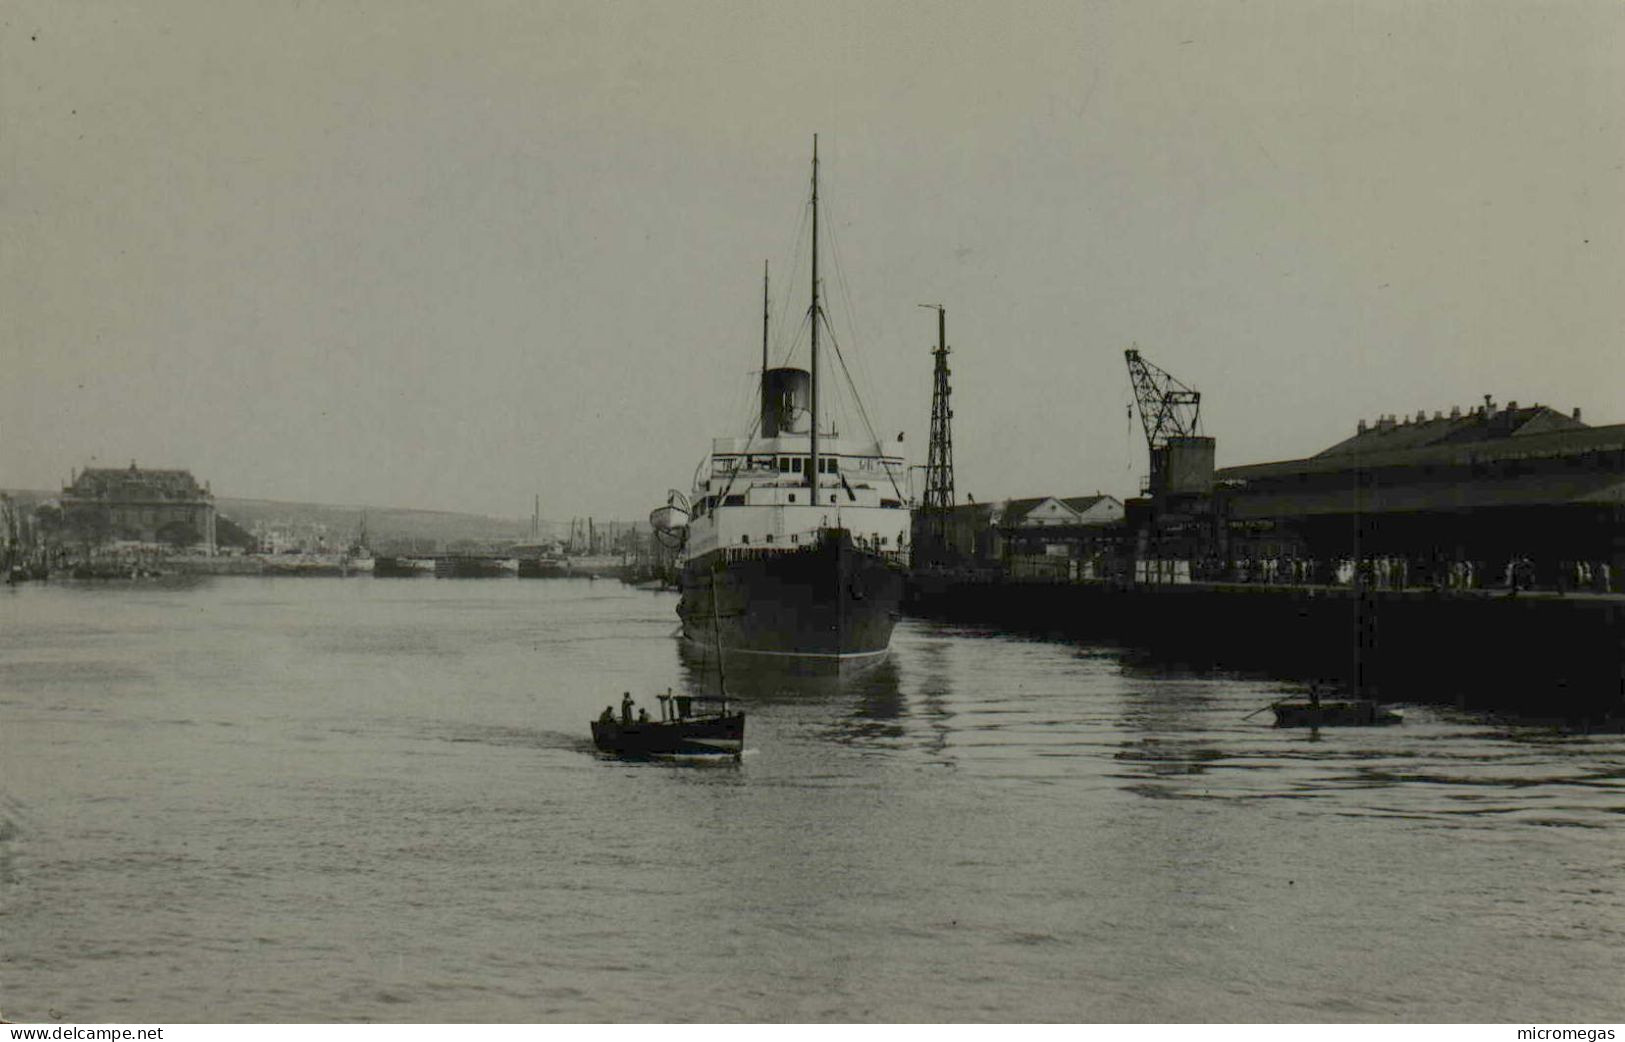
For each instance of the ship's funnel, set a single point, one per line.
(786, 394)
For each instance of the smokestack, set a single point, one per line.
(1576, 414)
(785, 397)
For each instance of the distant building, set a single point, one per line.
(1044, 525)
(1096, 509)
(1036, 513)
(163, 507)
(290, 536)
(1483, 485)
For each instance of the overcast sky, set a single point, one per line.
(450, 255)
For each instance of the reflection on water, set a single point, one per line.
(859, 705)
(330, 799)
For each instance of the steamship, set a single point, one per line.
(794, 537)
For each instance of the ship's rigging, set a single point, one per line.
(813, 320)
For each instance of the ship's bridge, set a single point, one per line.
(755, 492)
(789, 458)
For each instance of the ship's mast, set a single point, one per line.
(763, 395)
(812, 463)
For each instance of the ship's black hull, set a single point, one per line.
(394, 568)
(703, 736)
(830, 604)
(538, 568)
(468, 568)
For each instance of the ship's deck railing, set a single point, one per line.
(736, 554)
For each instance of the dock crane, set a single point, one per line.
(1171, 413)
(1180, 525)
(1168, 409)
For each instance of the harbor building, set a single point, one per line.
(1007, 532)
(1447, 500)
(158, 507)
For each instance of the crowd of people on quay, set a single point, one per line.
(1518, 572)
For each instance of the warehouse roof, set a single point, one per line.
(1483, 424)
(1478, 437)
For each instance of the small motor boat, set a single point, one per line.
(1316, 712)
(679, 732)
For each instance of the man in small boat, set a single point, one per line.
(626, 707)
(643, 715)
(607, 716)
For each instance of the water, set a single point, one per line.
(364, 799)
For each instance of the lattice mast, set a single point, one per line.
(1168, 409)
(939, 469)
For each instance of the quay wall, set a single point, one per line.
(1540, 653)
(201, 565)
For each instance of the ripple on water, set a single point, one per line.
(366, 802)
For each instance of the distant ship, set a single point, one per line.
(474, 566)
(794, 537)
(306, 564)
(359, 557)
(396, 567)
(542, 564)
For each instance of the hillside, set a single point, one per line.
(387, 527)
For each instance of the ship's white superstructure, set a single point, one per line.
(755, 493)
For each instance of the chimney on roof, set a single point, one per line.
(1576, 414)
(1455, 412)
(1512, 406)
(1359, 428)
(1437, 415)
(1421, 415)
